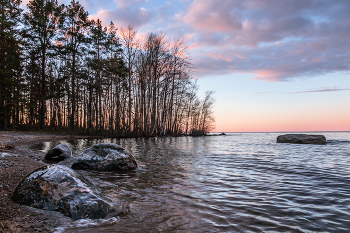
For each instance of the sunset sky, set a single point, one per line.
(274, 65)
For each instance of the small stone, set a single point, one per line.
(9, 147)
(59, 153)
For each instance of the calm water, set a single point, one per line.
(242, 182)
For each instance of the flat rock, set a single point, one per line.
(59, 188)
(302, 139)
(59, 153)
(105, 156)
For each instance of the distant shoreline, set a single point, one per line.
(287, 132)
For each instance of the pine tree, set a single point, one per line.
(9, 57)
(74, 30)
(41, 24)
(115, 72)
(98, 39)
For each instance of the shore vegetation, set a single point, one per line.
(61, 71)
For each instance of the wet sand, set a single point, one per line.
(15, 164)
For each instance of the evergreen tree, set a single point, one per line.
(98, 42)
(74, 30)
(41, 24)
(115, 72)
(9, 57)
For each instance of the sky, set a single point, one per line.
(275, 66)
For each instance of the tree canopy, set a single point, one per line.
(61, 71)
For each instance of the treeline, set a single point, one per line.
(61, 71)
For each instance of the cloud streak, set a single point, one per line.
(321, 90)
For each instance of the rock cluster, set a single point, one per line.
(59, 188)
(302, 139)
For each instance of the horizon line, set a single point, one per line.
(326, 131)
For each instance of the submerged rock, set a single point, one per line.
(302, 139)
(105, 156)
(59, 153)
(59, 188)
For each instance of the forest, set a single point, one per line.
(61, 71)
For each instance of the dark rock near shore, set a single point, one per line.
(59, 188)
(302, 139)
(105, 156)
(59, 153)
(197, 133)
(7, 146)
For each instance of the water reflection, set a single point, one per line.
(236, 183)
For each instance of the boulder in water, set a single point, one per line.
(197, 133)
(59, 188)
(59, 153)
(302, 139)
(105, 156)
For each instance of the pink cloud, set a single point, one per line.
(270, 75)
(267, 78)
(123, 17)
(223, 56)
(208, 15)
(240, 56)
(252, 22)
(275, 62)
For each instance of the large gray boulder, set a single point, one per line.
(105, 156)
(59, 188)
(59, 153)
(302, 139)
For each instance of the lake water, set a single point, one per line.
(241, 182)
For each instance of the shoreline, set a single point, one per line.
(15, 164)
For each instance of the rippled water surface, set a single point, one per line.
(241, 182)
